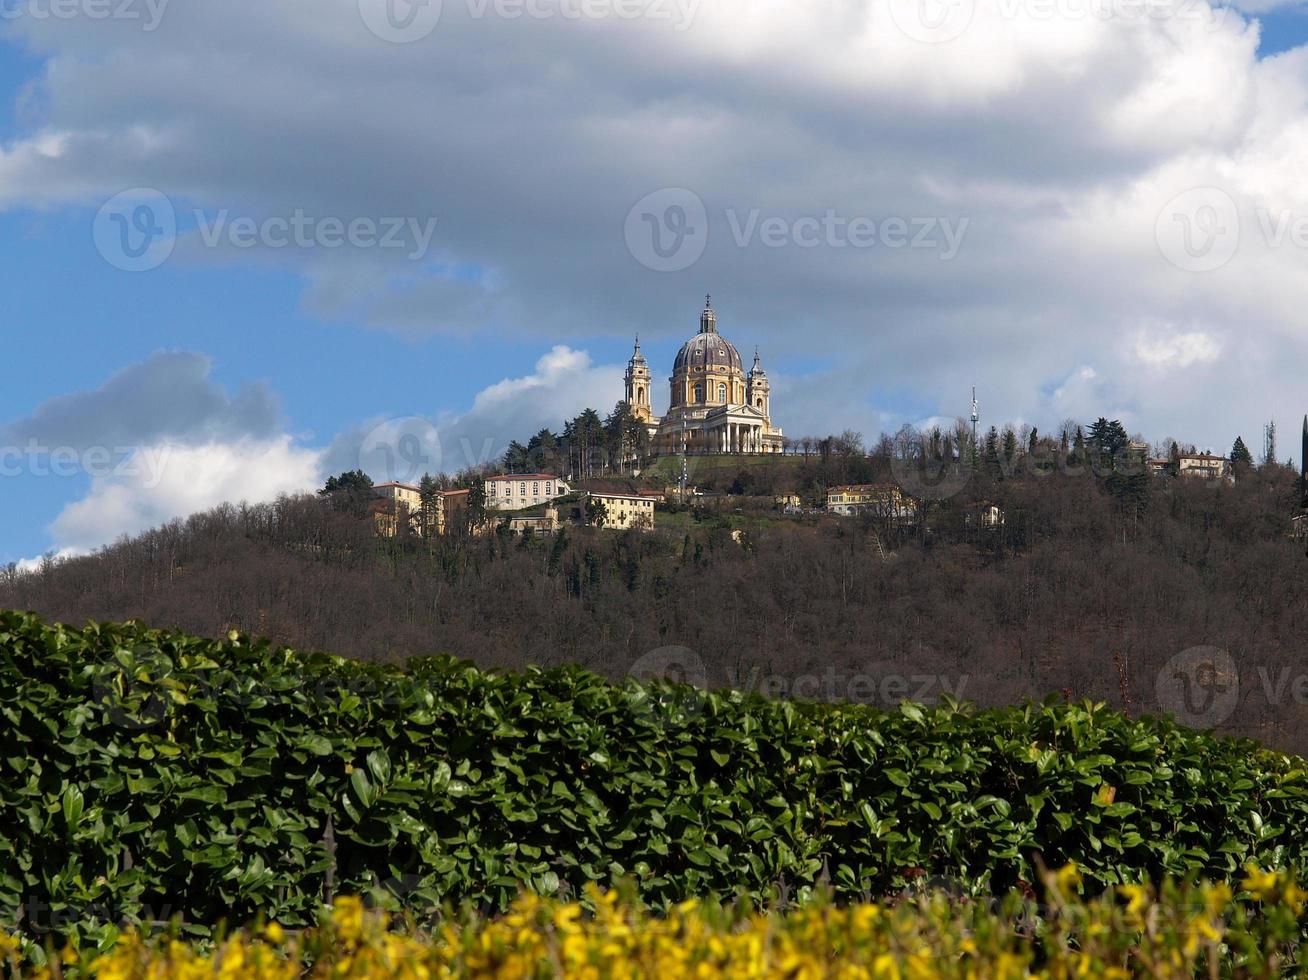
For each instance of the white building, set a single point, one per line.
(1205, 466)
(514, 491)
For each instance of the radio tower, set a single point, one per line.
(976, 416)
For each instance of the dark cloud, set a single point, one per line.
(170, 397)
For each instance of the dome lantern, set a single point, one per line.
(708, 320)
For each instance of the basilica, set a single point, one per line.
(715, 406)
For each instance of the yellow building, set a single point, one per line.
(879, 499)
(714, 405)
(400, 505)
(622, 511)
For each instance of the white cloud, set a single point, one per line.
(1176, 350)
(1059, 132)
(156, 481)
(192, 479)
(564, 382)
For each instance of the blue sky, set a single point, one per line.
(531, 169)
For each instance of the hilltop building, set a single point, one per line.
(399, 505)
(715, 406)
(1204, 466)
(514, 491)
(879, 499)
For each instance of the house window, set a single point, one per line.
(522, 489)
(535, 489)
(549, 492)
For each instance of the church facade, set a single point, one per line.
(715, 406)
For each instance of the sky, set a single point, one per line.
(247, 245)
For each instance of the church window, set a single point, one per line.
(722, 393)
(699, 393)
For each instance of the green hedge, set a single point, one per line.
(154, 774)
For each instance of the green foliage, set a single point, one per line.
(350, 492)
(1241, 459)
(151, 774)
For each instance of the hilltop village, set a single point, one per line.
(718, 440)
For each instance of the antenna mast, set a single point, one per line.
(976, 416)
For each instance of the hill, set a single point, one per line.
(1081, 592)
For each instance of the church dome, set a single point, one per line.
(707, 350)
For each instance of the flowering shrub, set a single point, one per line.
(1184, 930)
(146, 775)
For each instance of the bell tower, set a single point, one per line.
(760, 390)
(638, 379)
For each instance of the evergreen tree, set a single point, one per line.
(1241, 458)
(543, 452)
(428, 493)
(1010, 444)
(990, 457)
(516, 459)
(597, 512)
(350, 492)
(557, 552)
(476, 517)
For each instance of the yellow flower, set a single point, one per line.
(347, 916)
(1068, 879)
(1260, 884)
